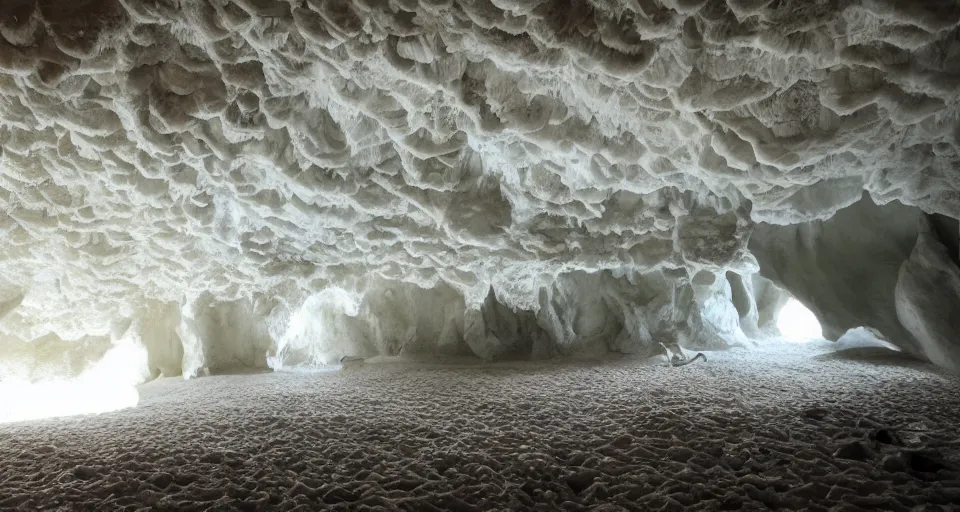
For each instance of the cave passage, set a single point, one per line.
(797, 323)
(459, 244)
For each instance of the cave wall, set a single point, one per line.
(49, 357)
(580, 313)
(888, 267)
(157, 322)
(892, 268)
(206, 172)
(757, 301)
(946, 230)
(928, 294)
(844, 269)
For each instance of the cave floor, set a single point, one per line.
(768, 428)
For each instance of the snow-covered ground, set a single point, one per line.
(773, 427)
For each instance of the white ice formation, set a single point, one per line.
(250, 182)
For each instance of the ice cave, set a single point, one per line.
(479, 255)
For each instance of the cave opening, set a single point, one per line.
(106, 385)
(797, 323)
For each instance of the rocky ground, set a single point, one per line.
(777, 427)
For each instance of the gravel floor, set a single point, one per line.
(781, 427)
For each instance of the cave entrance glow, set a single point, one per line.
(108, 385)
(797, 323)
(24, 401)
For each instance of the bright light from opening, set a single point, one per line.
(24, 401)
(109, 385)
(797, 323)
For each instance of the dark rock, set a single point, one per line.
(84, 472)
(815, 413)
(894, 463)
(161, 480)
(855, 450)
(887, 436)
(582, 479)
(340, 495)
(925, 462)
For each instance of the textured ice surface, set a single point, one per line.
(777, 428)
(928, 297)
(845, 268)
(317, 178)
(889, 268)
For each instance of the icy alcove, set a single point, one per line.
(239, 185)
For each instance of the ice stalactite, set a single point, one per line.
(193, 343)
(157, 324)
(579, 314)
(308, 335)
(604, 312)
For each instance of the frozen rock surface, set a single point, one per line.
(889, 268)
(781, 427)
(928, 297)
(243, 183)
(844, 269)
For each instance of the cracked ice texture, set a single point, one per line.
(160, 153)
